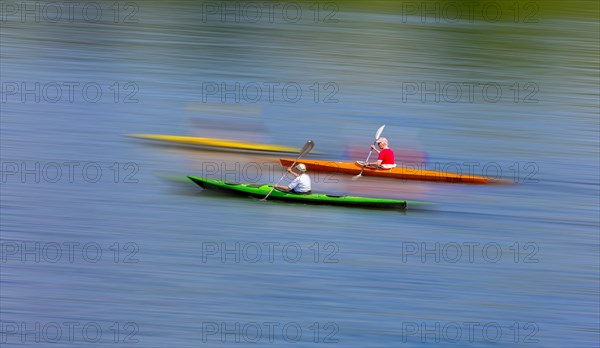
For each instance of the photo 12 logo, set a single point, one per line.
(517, 172)
(271, 252)
(68, 252)
(254, 172)
(68, 12)
(469, 332)
(68, 92)
(269, 12)
(20, 332)
(269, 92)
(469, 92)
(469, 252)
(469, 11)
(68, 172)
(269, 332)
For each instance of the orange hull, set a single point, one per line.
(398, 172)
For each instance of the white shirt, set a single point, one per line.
(300, 184)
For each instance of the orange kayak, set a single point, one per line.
(399, 172)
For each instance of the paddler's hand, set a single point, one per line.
(374, 148)
(291, 171)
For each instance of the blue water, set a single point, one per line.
(104, 242)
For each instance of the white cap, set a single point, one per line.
(382, 140)
(301, 167)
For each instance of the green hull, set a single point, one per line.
(260, 191)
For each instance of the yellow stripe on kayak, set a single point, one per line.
(215, 142)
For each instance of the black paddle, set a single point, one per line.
(379, 131)
(306, 149)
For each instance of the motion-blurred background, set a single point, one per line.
(104, 241)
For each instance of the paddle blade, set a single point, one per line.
(307, 148)
(379, 131)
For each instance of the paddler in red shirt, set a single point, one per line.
(386, 155)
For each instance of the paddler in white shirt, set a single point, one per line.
(301, 184)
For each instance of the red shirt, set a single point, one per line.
(386, 156)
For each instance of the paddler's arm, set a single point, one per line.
(374, 148)
(281, 187)
(378, 163)
(292, 172)
(286, 188)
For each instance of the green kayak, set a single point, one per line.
(260, 191)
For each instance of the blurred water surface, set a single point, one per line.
(515, 96)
